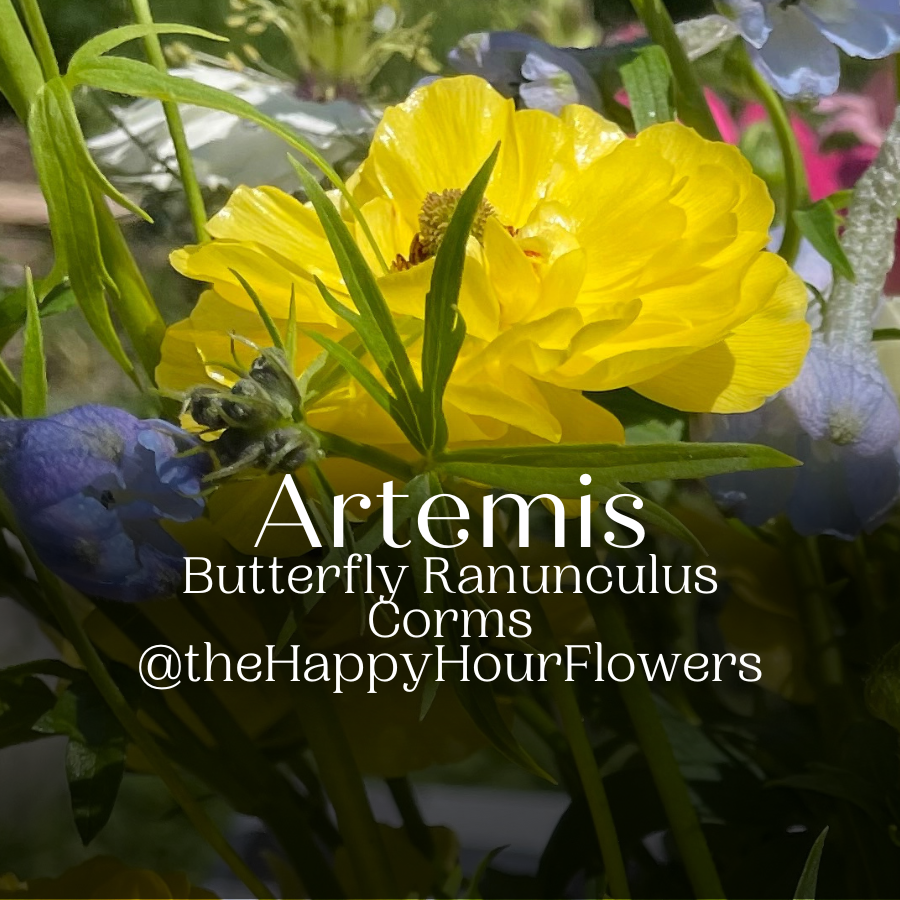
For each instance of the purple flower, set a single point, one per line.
(90, 488)
(840, 418)
(795, 44)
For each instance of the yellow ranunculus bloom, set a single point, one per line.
(103, 877)
(598, 262)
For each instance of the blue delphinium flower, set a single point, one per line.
(840, 418)
(527, 69)
(794, 42)
(90, 487)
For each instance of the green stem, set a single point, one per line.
(192, 192)
(691, 102)
(40, 38)
(335, 445)
(654, 742)
(343, 783)
(134, 304)
(582, 751)
(834, 700)
(20, 72)
(413, 823)
(796, 189)
(72, 629)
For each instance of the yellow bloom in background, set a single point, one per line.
(597, 262)
(105, 877)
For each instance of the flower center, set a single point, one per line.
(434, 219)
(844, 427)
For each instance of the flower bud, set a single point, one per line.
(287, 449)
(205, 406)
(251, 406)
(270, 370)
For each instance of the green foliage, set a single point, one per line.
(95, 755)
(34, 364)
(445, 329)
(819, 224)
(806, 887)
(648, 81)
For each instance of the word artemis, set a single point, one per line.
(457, 512)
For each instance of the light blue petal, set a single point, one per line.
(796, 58)
(749, 16)
(856, 30)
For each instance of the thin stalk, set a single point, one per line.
(134, 304)
(833, 697)
(416, 830)
(657, 750)
(40, 38)
(192, 192)
(796, 188)
(563, 694)
(20, 72)
(343, 783)
(691, 102)
(74, 632)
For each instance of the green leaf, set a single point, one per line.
(95, 756)
(271, 328)
(139, 79)
(10, 393)
(24, 699)
(886, 334)
(806, 887)
(373, 322)
(648, 82)
(563, 464)
(351, 364)
(445, 329)
(115, 37)
(55, 145)
(819, 225)
(34, 363)
(476, 697)
(474, 891)
(59, 298)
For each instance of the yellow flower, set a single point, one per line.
(597, 262)
(103, 877)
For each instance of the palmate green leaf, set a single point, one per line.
(648, 83)
(806, 887)
(634, 463)
(70, 204)
(95, 757)
(819, 224)
(476, 697)
(115, 37)
(34, 363)
(445, 329)
(351, 364)
(138, 79)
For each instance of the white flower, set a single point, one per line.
(229, 151)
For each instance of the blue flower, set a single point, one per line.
(90, 487)
(794, 42)
(527, 69)
(841, 419)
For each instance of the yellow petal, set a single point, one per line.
(759, 358)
